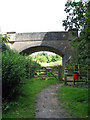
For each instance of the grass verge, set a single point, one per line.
(24, 106)
(74, 100)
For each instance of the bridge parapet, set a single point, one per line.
(11, 36)
(40, 36)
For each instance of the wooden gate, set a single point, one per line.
(53, 72)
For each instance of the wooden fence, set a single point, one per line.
(68, 78)
(58, 73)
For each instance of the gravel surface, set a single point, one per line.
(47, 104)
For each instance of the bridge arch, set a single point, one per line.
(57, 42)
(36, 47)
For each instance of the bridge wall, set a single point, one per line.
(57, 42)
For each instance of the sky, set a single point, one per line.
(31, 15)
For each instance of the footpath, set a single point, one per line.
(47, 104)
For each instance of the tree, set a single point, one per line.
(45, 57)
(78, 17)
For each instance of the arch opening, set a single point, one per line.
(47, 58)
(28, 50)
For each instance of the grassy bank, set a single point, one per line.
(24, 106)
(74, 100)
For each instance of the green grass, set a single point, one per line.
(74, 100)
(24, 106)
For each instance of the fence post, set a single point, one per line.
(65, 79)
(65, 76)
(74, 82)
(59, 72)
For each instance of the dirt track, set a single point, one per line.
(47, 104)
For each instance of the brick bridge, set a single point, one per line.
(57, 42)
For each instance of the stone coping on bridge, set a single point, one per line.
(41, 36)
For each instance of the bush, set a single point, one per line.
(13, 72)
(31, 67)
(15, 69)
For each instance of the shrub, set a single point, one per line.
(13, 72)
(15, 69)
(31, 67)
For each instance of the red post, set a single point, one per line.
(75, 76)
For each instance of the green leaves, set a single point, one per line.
(44, 57)
(76, 15)
(14, 72)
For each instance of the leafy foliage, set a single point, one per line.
(13, 72)
(76, 15)
(79, 14)
(44, 57)
(15, 69)
(31, 66)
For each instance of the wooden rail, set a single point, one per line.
(56, 72)
(66, 80)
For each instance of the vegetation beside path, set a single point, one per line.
(24, 105)
(20, 88)
(74, 100)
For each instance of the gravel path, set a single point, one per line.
(47, 104)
